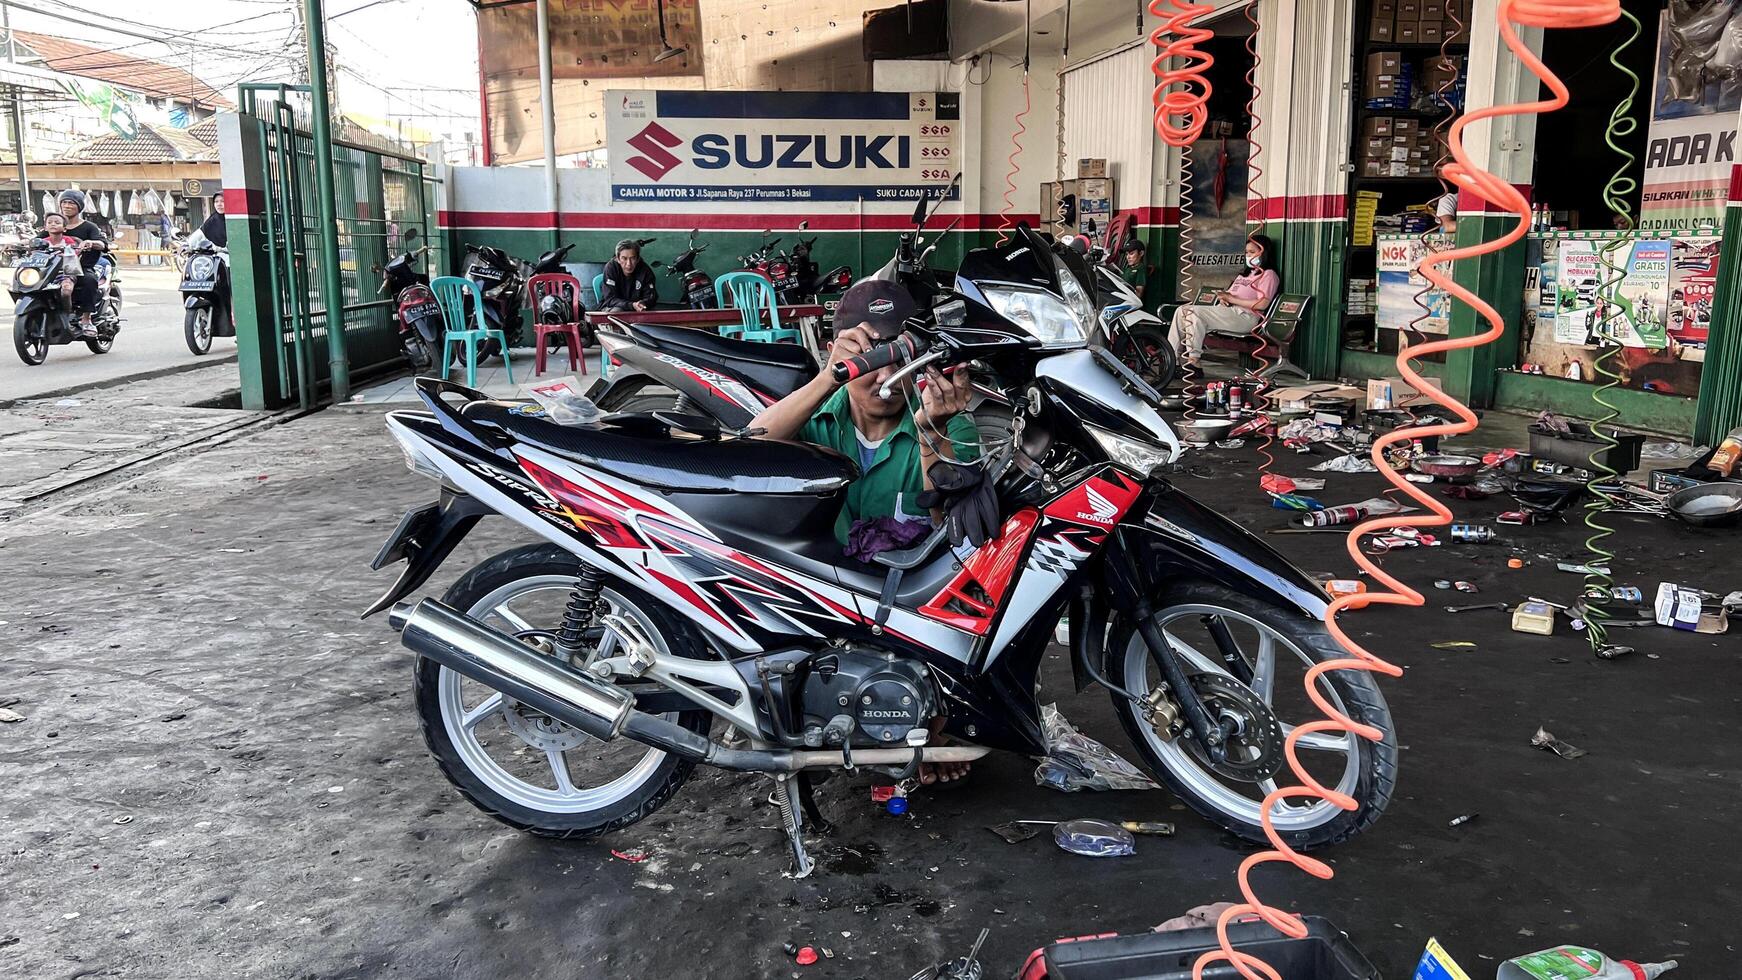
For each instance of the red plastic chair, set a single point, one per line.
(568, 290)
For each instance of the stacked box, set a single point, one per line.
(1388, 82)
(1383, 26)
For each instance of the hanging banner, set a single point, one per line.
(1695, 110)
(1400, 282)
(110, 102)
(1640, 308)
(1218, 174)
(590, 39)
(781, 146)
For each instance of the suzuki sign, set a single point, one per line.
(781, 146)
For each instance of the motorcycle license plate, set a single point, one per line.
(702, 296)
(198, 285)
(421, 310)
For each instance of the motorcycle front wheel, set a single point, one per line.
(197, 328)
(1146, 349)
(30, 337)
(519, 765)
(1271, 650)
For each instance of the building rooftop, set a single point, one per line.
(142, 75)
(152, 144)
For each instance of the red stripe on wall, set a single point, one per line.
(244, 201)
(1736, 183)
(1308, 207)
(632, 220)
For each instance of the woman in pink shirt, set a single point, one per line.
(1238, 309)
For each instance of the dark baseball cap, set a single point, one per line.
(880, 305)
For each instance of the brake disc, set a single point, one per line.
(540, 730)
(1254, 745)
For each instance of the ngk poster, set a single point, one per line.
(1399, 282)
(759, 147)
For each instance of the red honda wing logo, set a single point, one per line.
(1098, 502)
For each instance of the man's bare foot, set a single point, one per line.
(931, 773)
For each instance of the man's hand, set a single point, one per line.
(850, 342)
(942, 396)
(639, 306)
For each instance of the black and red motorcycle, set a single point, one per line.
(689, 576)
(416, 313)
(696, 286)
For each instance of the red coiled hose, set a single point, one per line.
(1255, 202)
(1492, 188)
(1188, 102)
(1015, 168)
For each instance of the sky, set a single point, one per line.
(416, 59)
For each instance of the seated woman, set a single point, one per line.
(1239, 309)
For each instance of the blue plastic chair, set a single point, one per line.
(451, 293)
(599, 299)
(751, 293)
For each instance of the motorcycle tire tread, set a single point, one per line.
(522, 562)
(1361, 699)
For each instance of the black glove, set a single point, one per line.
(969, 501)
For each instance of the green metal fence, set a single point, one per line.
(281, 317)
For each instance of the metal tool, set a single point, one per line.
(1486, 605)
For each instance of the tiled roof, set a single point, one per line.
(140, 75)
(206, 131)
(152, 144)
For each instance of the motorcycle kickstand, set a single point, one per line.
(788, 798)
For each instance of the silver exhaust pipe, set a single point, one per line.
(492, 658)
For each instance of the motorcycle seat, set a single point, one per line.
(776, 369)
(759, 466)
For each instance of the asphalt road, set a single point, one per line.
(150, 341)
(219, 771)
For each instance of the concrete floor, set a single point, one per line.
(220, 774)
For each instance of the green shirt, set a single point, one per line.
(1137, 277)
(894, 478)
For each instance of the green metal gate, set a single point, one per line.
(281, 318)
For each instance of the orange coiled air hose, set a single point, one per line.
(1182, 93)
(1492, 188)
(1015, 151)
(1255, 202)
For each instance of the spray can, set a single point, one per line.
(1578, 963)
(1236, 399)
(1213, 396)
(1332, 516)
(1627, 593)
(1472, 533)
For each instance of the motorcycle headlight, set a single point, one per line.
(29, 277)
(202, 267)
(416, 456)
(1048, 318)
(1134, 454)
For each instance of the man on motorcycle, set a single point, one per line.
(629, 281)
(92, 244)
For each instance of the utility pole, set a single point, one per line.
(332, 287)
(17, 112)
(552, 198)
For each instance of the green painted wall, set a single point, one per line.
(1497, 277)
(1311, 255)
(1639, 409)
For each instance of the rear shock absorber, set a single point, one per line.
(578, 615)
(1492, 188)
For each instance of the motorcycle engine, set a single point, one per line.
(884, 697)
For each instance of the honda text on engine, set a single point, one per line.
(689, 586)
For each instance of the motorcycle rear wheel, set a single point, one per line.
(539, 791)
(197, 328)
(1277, 646)
(30, 338)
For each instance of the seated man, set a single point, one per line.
(895, 447)
(629, 283)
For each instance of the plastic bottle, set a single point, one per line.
(1578, 963)
(1724, 460)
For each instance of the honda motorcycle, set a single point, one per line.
(415, 310)
(205, 293)
(1136, 336)
(502, 279)
(43, 316)
(695, 286)
(810, 282)
(688, 575)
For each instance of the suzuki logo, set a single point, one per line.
(1101, 510)
(655, 141)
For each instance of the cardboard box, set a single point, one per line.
(1406, 127)
(1384, 63)
(1408, 10)
(1387, 8)
(1432, 32)
(1373, 168)
(1378, 87)
(1405, 395)
(1382, 27)
(1376, 126)
(1678, 607)
(1408, 31)
(1091, 167)
(1094, 189)
(1433, 9)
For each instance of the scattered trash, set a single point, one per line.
(174, 716)
(1276, 483)
(1472, 533)
(1015, 831)
(963, 968)
(1094, 838)
(1459, 821)
(1544, 739)
(1663, 450)
(1294, 501)
(1454, 645)
(1685, 609)
(1481, 605)
(8, 716)
(790, 949)
(633, 856)
(1463, 586)
(1231, 444)
(1076, 762)
(1533, 617)
(1514, 563)
(828, 954)
(1627, 594)
(1613, 651)
(1339, 587)
(1437, 964)
(806, 956)
(1352, 463)
(1582, 569)
(1148, 828)
(68, 403)
(123, 820)
(1442, 583)
(1578, 963)
(1351, 513)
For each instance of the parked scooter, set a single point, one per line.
(502, 279)
(205, 294)
(809, 280)
(1136, 336)
(44, 317)
(415, 310)
(697, 287)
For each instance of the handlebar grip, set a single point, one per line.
(897, 351)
